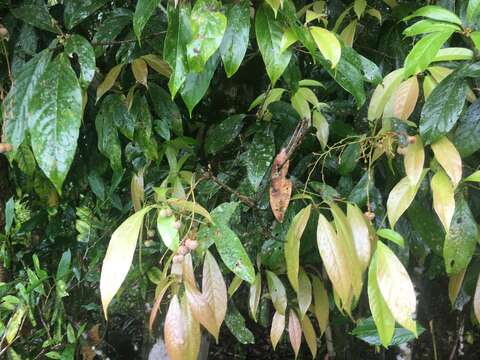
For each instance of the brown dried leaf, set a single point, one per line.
(214, 288)
(278, 326)
(280, 187)
(294, 332)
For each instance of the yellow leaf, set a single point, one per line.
(119, 256)
(191, 207)
(277, 292)
(109, 80)
(443, 198)
(328, 44)
(396, 287)
(348, 34)
(403, 100)
(382, 94)
(140, 71)
(414, 159)
(321, 306)
(294, 332)
(214, 288)
(304, 294)
(158, 64)
(361, 235)
(448, 157)
(454, 285)
(255, 293)
(310, 335)
(278, 326)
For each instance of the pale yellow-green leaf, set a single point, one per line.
(429, 84)
(277, 292)
(403, 100)
(275, 5)
(382, 94)
(304, 294)
(119, 256)
(278, 326)
(109, 80)
(375, 13)
(234, 285)
(300, 104)
(289, 38)
(312, 16)
(158, 64)
(321, 306)
(359, 7)
(214, 288)
(361, 235)
(443, 198)
(348, 34)
(255, 293)
(310, 335)
(328, 44)
(454, 285)
(335, 259)
(309, 95)
(137, 191)
(201, 309)
(475, 177)
(448, 157)
(190, 207)
(396, 287)
(140, 71)
(294, 332)
(400, 198)
(476, 300)
(292, 244)
(14, 324)
(414, 159)
(321, 125)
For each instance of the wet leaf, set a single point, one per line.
(76, 11)
(255, 294)
(214, 288)
(259, 156)
(224, 133)
(328, 44)
(77, 44)
(294, 332)
(443, 198)
(143, 11)
(277, 292)
(292, 245)
(236, 324)
(321, 305)
(447, 155)
(108, 141)
(278, 326)
(468, 130)
(36, 14)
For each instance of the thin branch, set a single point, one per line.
(116, 42)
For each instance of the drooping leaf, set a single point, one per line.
(158, 64)
(108, 141)
(208, 26)
(140, 71)
(156, 305)
(461, 239)
(277, 292)
(391, 235)
(235, 40)
(278, 326)
(403, 100)
(476, 300)
(260, 155)
(109, 80)
(143, 11)
(468, 130)
(361, 236)
(110, 28)
(55, 118)
(214, 288)
(76, 11)
(168, 231)
(119, 256)
(436, 13)
(255, 294)
(310, 335)
(383, 92)
(292, 245)
(201, 309)
(304, 294)
(174, 331)
(455, 285)
(36, 14)
(175, 45)
(395, 287)
(414, 160)
(328, 44)
(236, 324)
(294, 331)
(321, 305)
(449, 158)
(443, 198)
(269, 37)
(322, 127)
(223, 133)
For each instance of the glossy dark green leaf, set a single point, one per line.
(17, 102)
(175, 46)
(223, 133)
(143, 134)
(114, 106)
(197, 83)
(467, 132)
(360, 191)
(76, 11)
(108, 141)
(143, 11)
(236, 324)
(165, 108)
(269, 35)
(77, 44)
(349, 159)
(56, 113)
(442, 109)
(111, 27)
(235, 40)
(260, 156)
(36, 14)
(462, 238)
(208, 26)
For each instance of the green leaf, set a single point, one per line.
(424, 52)
(475, 177)
(232, 252)
(119, 256)
(235, 40)
(461, 239)
(260, 155)
(236, 324)
(77, 44)
(269, 35)
(453, 54)
(382, 316)
(143, 11)
(359, 7)
(56, 114)
(223, 133)
(9, 214)
(197, 83)
(468, 131)
(328, 44)
(277, 292)
(114, 107)
(349, 159)
(208, 26)
(76, 11)
(175, 46)
(429, 26)
(109, 80)
(143, 127)
(391, 235)
(442, 109)
(111, 27)
(14, 324)
(191, 207)
(395, 287)
(168, 231)
(36, 14)
(108, 141)
(292, 245)
(473, 10)
(165, 108)
(17, 103)
(443, 198)
(436, 13)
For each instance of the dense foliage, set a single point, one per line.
(265, 173)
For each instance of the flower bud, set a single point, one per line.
(191, 244)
